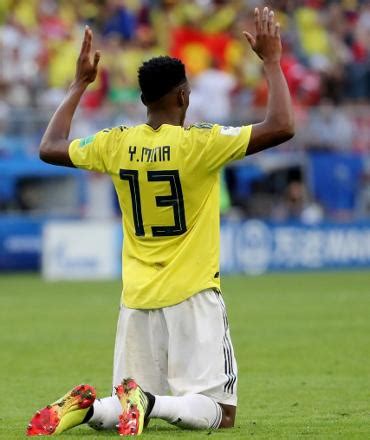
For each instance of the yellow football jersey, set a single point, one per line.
(167, 182)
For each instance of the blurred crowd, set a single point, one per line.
(326, 61)
(326, 50)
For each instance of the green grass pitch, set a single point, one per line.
(302, 343)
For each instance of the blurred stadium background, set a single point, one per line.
(301, 339)
(309, 199)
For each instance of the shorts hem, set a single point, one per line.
(225, 399)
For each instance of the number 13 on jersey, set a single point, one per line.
(175, 199)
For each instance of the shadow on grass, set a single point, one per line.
(157, 429)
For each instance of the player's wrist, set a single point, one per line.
(271, 65)
(272, 61)
(78, 85)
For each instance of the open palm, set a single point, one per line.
(267, 42)
(87, 67)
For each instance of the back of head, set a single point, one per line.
(159, 76)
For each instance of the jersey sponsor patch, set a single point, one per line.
(87, 140)
(231, 131)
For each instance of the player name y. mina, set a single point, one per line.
(148, 154)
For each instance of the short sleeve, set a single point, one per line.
(226, 144)
(88, 153)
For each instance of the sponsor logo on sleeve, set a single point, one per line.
(86, 141)
(231, 131)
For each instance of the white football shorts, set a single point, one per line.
(178, 350)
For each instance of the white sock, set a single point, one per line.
(192, 411)
(106, 413)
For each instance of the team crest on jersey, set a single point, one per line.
(87, 140)
(230, 131)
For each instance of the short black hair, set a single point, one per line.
(160, 75)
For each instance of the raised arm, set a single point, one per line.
(278, 125)
(54, 144)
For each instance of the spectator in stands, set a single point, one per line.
(329, 129)
(214, 87)
(296, 205)
(119, 20)
(358, 70)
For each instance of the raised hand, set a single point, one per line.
(87, 69)
(267, 42)
(54, 147)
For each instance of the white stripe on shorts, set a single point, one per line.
(228, 351)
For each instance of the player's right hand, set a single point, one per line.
(87, 69)
(267, 42)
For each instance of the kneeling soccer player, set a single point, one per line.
(173, 334)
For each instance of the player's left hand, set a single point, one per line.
(86, 70)
(267, 42)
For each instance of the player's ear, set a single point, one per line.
(181, 98)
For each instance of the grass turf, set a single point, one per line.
(302, 343)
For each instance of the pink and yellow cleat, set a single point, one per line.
(134, 407)
(65, 413)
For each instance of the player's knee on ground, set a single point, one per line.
(228, 416)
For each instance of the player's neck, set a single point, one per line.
(158, 118)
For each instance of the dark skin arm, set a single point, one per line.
(54, 144)
(278, 125)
